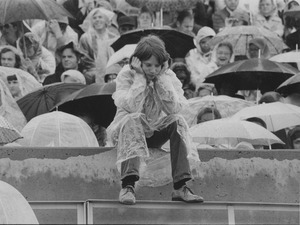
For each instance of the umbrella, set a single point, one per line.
(287, 57)
(125, 52)
(227, 106)
(177, 43)
(228, 131)
(18, 10)
(290, 86)
(8, 133)
(94, 99)
(240, 36)
(294, 12)
(252, 74)
(43, 99)
(57, 129)
(276, 115)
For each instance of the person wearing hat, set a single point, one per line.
(96, 41)
(55, 33)
(126, 23)
(111, 72)
(199, 57)
(71, 59)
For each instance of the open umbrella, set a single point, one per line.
(287, 57)
(290, 86)
(95, 100)
(43, 99)
(125, 52)
(276, 115)
(240, 36)
(18, 10)
(252, 74)
(227, 106)
(57, 129)
(177, 43)
(8, 133)
(228, 131)
(294, 12)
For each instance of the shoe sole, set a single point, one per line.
(191, 201)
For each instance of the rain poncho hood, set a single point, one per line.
(262, 45)
(203, 33)
(75, 74)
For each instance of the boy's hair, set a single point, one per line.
(151, 45)
(228, 45)
(13, 50)
(184, 14)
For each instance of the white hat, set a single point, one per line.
(74, 74)
(203, 33)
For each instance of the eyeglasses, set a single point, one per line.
(6, 26)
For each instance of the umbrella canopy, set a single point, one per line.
(240, 36)
(177, 43)
(125, 52)
(8, 133)
(227, 106)
(95, 100)
(294, 12)
(14, 208)
(228, 131)
(287, 57)
(252, 74)
(43, 99)
(57, 129)
(276, 115)
(166, 5)
(18, 10)
(290, 86)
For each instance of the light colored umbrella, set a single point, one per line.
(294, 12)
(18, 10)
(8, 133)
(240, 36)
(288, 57)
(227, 106)
(276, 115)
(228, 131)
(14, 208)
(290, 86)
(57, 129)
(125, 52)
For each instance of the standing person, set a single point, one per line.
(268, 17)
(96, 41)
(148, 98)
(199, 57)
(228, 15)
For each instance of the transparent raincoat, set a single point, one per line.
(9, 109)
(143, 109)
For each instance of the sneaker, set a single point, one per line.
(185, 194)
(127, 195)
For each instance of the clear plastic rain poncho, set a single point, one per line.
(26, 82)
(9, 109)
(57, 129)
(143, 109)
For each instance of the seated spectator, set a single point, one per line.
(126, 23)
(293, 39)
(258, 48)
(268, 17)
(111, 72)
(14, 86)
(54, 34)
(288, 21)
(96, 41)
(38, 60)
(207, 114)
(72, 76)
(185, 22)
(228, 15)
(10, 57)
(206, 89)
(199, 57)
(146, 18)
(294, 138)
(71, 58)
(12, 32)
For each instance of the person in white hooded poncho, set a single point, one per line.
(199, 57)
(149, 98)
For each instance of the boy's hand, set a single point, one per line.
(136, 64)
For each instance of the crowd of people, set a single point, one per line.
(151, 87)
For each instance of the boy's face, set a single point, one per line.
(151, 68)
(204, 44)
(186, 26)
(8, 59)
(232, 4)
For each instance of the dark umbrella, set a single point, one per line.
(290, 86)
(177, 43)
(252, 74)
(43, 99)
(95, 100)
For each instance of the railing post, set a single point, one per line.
(231, 216)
